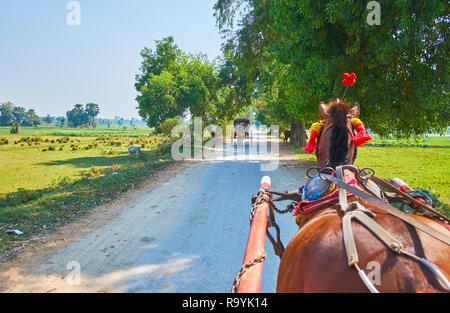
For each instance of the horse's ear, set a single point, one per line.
(355, 110)
(323, 111)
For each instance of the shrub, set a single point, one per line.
(93, 172)
(14, 128)
(3, 141)
(51, 148)
(163, 147)
(166, 126)
(65, 139)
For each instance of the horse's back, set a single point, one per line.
(315, 259)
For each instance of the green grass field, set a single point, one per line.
(48, 180)
(424, 142)
(82, 132)
(32, 165)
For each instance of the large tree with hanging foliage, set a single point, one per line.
(295, 52)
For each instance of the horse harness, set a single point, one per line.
(355, 210)
(324, 131)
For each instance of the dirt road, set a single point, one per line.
(184, 231)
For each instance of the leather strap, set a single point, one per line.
(394, 189)
(381, 233)
(342, 192)
(390, 209)
(349, 241)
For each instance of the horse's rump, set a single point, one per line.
(316, 256)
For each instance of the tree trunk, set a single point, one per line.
(298, 133)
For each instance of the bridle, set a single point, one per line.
(329, 126)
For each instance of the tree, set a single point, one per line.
(19, 114)
(401, 65)
(48, 119)
(234, 90)
(172, 84)
(62, 120)
(9, 114)
(80, 115)
(6, 114)
(92, 110)
(166, 127)
(31, 118)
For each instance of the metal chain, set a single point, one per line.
(244, 268)
(290, 208)
(261, 197)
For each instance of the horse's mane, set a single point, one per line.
(338, 112)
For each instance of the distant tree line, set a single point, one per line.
(51, 120)
(80, 115)
(10, 114)
(120, 121)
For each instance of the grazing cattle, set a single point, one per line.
(134, 150)
(287, 135)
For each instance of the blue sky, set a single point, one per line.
(49, 66)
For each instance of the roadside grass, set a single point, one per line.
(424, 142)
(42, 188)
(419, 167)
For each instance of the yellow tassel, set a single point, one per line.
(298, 220)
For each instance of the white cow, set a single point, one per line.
(134, 150)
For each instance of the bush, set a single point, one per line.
(14, 128)
(3, 141)
(163, 147)
(93, 172)
(166, 126)
(51, 148)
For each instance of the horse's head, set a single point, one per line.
(335, 146)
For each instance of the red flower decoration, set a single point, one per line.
(349, 79)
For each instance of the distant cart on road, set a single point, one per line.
(241, 123)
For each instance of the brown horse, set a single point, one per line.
(315, 259)
(334, 144)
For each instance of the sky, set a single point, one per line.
(49, 66)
